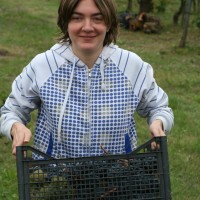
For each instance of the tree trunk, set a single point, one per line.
(179, 12)
(186, 18)
(196, 5)
(145, 6)
(129, 8)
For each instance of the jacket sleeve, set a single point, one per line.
(154, 102)
(22, 100)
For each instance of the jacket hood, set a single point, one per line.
(65, 50)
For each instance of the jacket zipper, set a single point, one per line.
(88, 137)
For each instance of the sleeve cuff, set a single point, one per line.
(6, 130)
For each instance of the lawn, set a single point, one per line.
(29, 27)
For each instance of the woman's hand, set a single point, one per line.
(21, 135)
(156, 130)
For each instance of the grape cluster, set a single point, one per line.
(98, 179)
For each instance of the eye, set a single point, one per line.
(76, 17)
(98, 19)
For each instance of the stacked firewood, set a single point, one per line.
(143, 21)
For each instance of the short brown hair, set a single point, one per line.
(107, 9)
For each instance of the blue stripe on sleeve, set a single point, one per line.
(126, 62)
(17, 85)
(35, 76)
(137, 77)
(55, 59)
(29, 76)
(48, 63)
(120, 58)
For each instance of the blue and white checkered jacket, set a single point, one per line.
(82, 109)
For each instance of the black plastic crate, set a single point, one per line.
(142, 174)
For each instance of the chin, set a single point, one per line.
(88, 48)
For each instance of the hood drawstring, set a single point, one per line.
(65, 102)
(103, 84)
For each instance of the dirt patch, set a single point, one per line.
(4, 52)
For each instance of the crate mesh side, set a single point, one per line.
(133, 178)
(125, 177)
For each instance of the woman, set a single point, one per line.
(86, 89)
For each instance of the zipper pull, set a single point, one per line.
(89, 73)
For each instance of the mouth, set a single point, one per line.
(87, 36)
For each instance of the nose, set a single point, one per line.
(87, 25)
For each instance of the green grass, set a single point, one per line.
(29, 27)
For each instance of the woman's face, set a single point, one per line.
(86, 28)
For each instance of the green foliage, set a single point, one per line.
(29, 27)
(162, 6)
(197, 21)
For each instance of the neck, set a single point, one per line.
(89, 58)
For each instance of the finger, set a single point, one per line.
(14, 145)
(27, 136)
(153, 145)
(19, 140)
(14, 150)
(158, 133)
